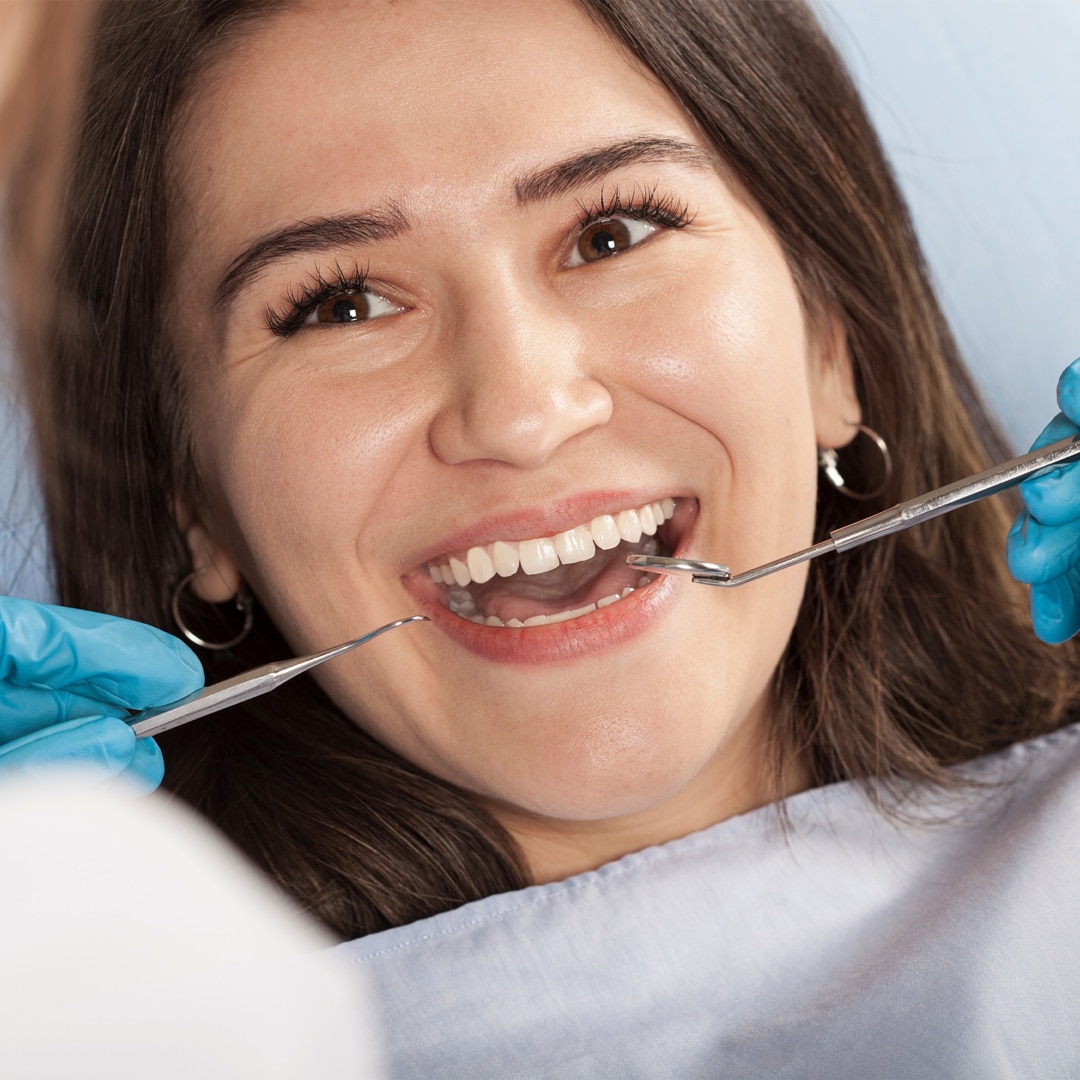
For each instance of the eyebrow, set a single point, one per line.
(316, 234)
(350, 230)
(592, 165)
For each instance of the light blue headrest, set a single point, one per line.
(978, 102)
(23, 548)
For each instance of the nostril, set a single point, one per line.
(522, 424)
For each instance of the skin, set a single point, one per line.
(509, 386)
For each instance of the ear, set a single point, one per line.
(832, 386)
(219, 578)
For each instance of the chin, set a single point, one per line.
(609, 767)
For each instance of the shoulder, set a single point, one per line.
(1029, 787)
(1028, 776)
(851, 940)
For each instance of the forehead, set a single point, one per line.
(323, 105)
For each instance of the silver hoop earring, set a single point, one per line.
(830, 465)
(244, 604)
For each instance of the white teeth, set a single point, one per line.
(460, 572)
(481, 567)
(462, 604)
(564, 616)
(557, 617)
(576, 545)
(506, 558)
(629, 526)
(605, 532)
(537, 556)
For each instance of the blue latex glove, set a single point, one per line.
(1044, 542)
(66, 678)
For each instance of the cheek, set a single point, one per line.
(730, 355)
(303, 470)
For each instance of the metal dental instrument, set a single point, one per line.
(243, 687)
(902, 516)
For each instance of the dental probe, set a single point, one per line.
(902, 516)
(243, 687)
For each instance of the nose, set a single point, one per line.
(519, 387)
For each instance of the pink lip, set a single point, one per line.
(578, 638)
(557, 516)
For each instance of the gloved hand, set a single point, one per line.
(1044, 543)
(67, 676)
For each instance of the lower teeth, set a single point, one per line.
(462, 604)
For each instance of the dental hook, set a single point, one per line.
(244, 687)
(897, 518)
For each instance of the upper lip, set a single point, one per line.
(529, 523)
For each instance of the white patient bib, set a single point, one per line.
(855, 948)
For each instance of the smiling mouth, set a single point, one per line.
(553, 579)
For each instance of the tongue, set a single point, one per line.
(562, 589)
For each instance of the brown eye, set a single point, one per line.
(344, 308)
(351, 307)
(602, 239)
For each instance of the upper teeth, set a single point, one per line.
(506, 557)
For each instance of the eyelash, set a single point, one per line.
(643, 205)
(299, 302)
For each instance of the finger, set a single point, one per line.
(1061, 427)
(24, 709)
(97, 656)
(1039, 553)
(147, 768)
(1055, 609)
(1068, 392)
(99, 748)
(1053, 498)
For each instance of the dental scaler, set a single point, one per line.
(903, 516)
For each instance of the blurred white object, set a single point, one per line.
(134, 942)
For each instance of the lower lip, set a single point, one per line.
(571, 640)
(574, 639)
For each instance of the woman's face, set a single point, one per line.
(459, 286)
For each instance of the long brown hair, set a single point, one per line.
(42, 47)
(908, 656)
